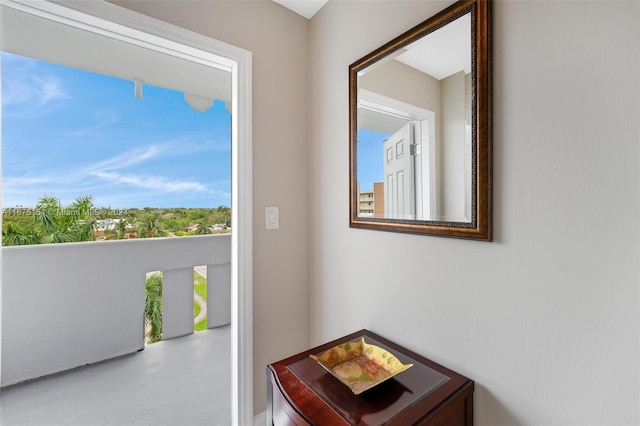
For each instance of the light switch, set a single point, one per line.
(271, 215)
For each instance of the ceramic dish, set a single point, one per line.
(360, 365)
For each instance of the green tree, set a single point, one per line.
(203, 228)
(51, 223)
(17, 216)
(149, 225)
(221, 215)
(153, 308)
(81, 221)
(15, 234)
(197, 214)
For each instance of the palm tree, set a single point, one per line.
(203, 228)
(19, 235)
(53, 224)
(47, 220)
(150, 226)
(153, 307)
(81, 222)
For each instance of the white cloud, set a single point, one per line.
(121, 169)
(127, 159)
(33, 91)
(24, 182)
(151, 182)
(48, 88)
(110, 169)
(140, 155)
(104, 118)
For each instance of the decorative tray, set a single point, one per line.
(359, 365)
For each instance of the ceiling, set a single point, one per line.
(93, 52)
(306, 8)
(450, 45)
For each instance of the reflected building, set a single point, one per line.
(371, 203)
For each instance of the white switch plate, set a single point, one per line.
(272, 219)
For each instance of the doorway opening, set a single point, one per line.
(117, 33)
(399, 140)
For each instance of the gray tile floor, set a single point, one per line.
(180, 382)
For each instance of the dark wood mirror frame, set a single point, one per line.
(480, 226)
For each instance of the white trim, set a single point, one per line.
(1, 216)
(429, 162)
(242, 241)
(122, 24)
(377, 102)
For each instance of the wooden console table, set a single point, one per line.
(301, 392)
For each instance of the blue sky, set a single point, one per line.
(68, 133)
(370, 158)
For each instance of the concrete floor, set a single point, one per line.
(179, 382)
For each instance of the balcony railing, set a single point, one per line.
(68, 305)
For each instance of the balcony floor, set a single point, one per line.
(184, 381)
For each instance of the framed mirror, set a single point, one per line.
(420, 128)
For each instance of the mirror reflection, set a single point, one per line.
(414, 130)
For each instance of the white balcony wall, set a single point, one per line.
(218, 296)
(68, 305)
(177, 303)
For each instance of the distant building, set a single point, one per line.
(371, 203)
(365, 203)
(104, 225)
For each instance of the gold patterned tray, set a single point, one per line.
(359, 365)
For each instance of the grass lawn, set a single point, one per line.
(201, 326)
(200, 287)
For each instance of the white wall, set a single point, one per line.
(403, 83)
(278, 39)
(452, 149)
(67, 305)
(545, 318)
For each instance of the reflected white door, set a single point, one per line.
(399, 175)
